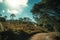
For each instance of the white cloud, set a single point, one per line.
(1, 1)
(16, 5)
(12, 11)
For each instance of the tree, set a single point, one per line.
(5, 17)
(12, 16)
(20, 20)
(2, 19)
(26, 19)
(46, 13)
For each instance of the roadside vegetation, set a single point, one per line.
(47, 19)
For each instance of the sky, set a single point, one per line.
(21, 8)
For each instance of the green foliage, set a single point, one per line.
(2, 19)
(47, 12)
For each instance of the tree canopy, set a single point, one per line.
(47, 12)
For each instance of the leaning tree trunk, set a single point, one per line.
(1, 27)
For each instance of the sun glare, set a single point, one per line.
(1, 1)
(16, 5)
